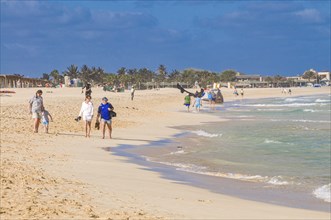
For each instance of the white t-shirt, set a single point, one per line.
(86, 109)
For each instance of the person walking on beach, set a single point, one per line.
(86, 112)
(242, 93)
(235, 92)
(213, 99)
(45, 119)
(36, 106)
(187, 102)
(219, 96)
(132, 92)
(289, 91)
(210, 97)
(88, 89)
(104, 112)
(197, 103)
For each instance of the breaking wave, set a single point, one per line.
(206, 134)
(323, 193)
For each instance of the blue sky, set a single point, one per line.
(253, 37)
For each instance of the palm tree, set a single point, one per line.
(175, 75)
(121, 71)
(85, 74)
(72, 71)
(45, 76)
(309, 74)
(162, 72)
(55, 75)
(97, 74)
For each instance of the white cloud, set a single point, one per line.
(22, 48)
(309, 14)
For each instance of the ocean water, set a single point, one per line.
(282, 142)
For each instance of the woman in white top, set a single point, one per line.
(86, 112)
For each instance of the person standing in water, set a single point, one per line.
(187, 102)
(197, 103)
(36, 107)
(242, 93)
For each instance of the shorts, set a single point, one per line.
(198, 105)
(87, 117)
(213, 99)
(188, 105)
(45, 122)
(106, 121)
(36, 115)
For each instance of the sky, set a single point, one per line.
(253, 37)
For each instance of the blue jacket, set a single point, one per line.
(104, 112)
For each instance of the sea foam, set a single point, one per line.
(277, 180)
(321, 100)
(323, 193)
(205, 134)
(268, 141)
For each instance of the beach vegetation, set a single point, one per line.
(228, 76)
(72, 71)
(144, 78)
(309, 74)
(56, 77)
(45, 76)
(162, 73)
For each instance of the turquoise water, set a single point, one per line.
(284, 142)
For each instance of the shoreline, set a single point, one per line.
(115, 187)
(238, 188)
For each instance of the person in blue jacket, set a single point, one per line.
(104, 113)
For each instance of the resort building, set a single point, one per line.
(324, 75)
(250, 81)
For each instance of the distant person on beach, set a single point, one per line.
(210, 97)
(88, 89)
(132, 92)
(104, 112)
(242, 92)
(213, 99)
(197, 103)
(196, 84)
(219, 96)
(187, 102)
(36, 106)
(235, 92)
(289, 91)
(45, 119)
(86, 112)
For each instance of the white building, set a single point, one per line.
(324, 75)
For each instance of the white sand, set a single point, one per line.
(65, 175)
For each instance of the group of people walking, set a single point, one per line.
(104, 116)
(38, 112)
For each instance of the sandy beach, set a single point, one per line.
(64, 175)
